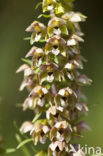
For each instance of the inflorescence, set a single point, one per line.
(53, 79)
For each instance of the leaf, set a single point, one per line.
(44, 15)
(42, 41)
(27, 38)
(27, 61)
(36, 117)
(37, 6)
(11, 150)
(23, 148)
(23, 143)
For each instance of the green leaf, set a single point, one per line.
(44, 15)
(36, 117)
(23, 143)
(37, 6)
(11, 150)
(27, 38)
(23, 148)
(27, 61)
(42, 41)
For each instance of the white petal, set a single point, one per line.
(28, 72)
(62, 102)
(45, 91)
(55, 51)
(22, 68)
(37, 38)
(79, 106)
(57, 31)
(27, 103)
(53, 146)
(75, 18)
(41, 102)
(45, 129)
(31, 52)
(23, 85)
(39, 50)
(61, 92)
(77, 38)
(48, 115)
(39, 62)
(68, 66)
(50, 7)
(70, 76)
(59, 137)
(71, 42)
(69, 90)
(60, 109)
(26, 127)
(50, 78)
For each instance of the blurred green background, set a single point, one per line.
(15, 16)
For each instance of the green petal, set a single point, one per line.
(64, 29)
(59, 9)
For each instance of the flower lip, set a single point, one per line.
(64, 98)
(48, 5)
(50, 73)
(55, 45)
(58, 146)
(56, 27)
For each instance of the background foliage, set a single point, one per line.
(15, 16)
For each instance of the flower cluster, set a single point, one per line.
(52, 77)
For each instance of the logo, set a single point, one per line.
(87, 150)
